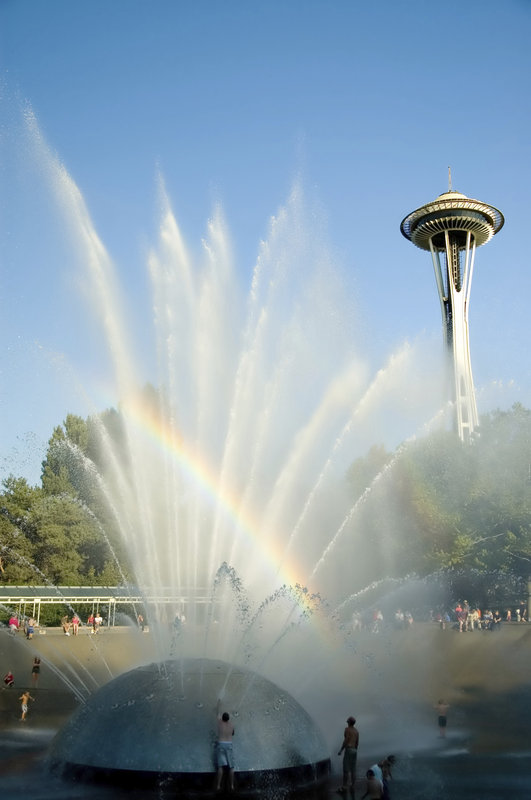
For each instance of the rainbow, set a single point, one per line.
(172, 443)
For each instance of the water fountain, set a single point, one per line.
(227, 489)
(226, 473)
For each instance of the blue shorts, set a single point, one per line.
(224, 755)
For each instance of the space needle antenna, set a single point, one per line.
(450, 228)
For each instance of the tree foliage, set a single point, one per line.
(433, 505)
(60, 533)
(443, 505)
(17, 530)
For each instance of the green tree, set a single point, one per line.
(363, 471)
(17, 531)
(55, 474)
(444, 505)
(68, 545)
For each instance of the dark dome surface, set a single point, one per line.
(161, 718)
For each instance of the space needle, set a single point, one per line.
(451, 227)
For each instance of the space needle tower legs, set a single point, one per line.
(451, 228)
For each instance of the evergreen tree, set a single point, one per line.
(17, 531)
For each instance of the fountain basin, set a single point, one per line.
(159, 721)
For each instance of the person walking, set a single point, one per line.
(13, 624)
(24, 698)
(349, 748)
(35, 671)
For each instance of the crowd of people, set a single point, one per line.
(462, 617)
(465, 617)
(70, 625)
(373, 620)
(28, 626)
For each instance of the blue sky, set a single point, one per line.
(367, 103)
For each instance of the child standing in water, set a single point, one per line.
(35, 671)
(442, 709)
(24, 697)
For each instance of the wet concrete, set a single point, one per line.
(484, 676)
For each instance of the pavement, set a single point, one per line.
(396, 680)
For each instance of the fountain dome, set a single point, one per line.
(158, 721)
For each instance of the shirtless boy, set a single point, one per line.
(349, 747)
(442, 710)
(24, 697)
(224, 754)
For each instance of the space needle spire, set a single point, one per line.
(451, 227)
